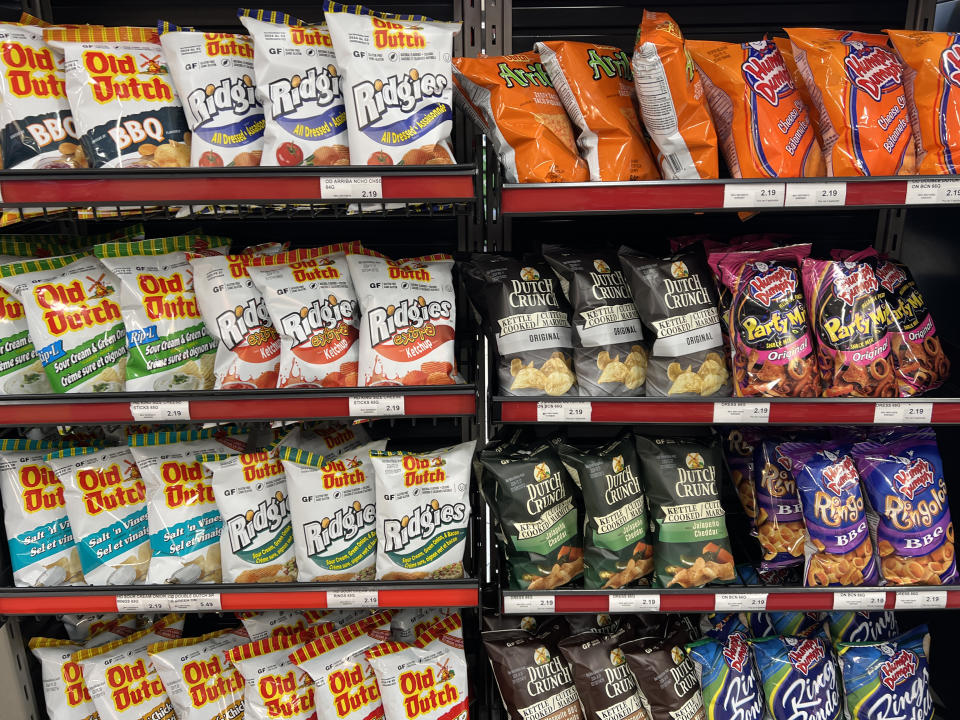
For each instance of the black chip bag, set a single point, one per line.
(607, 354)
(527, 317)
(677, 299)
(666, 676)
(617, 551)
(690, 532)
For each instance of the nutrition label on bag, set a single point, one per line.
(174, 411)
(351, 188)
(858, 600)
(727, 602)
(903, 412)
(753, 195)
(634, 602)
(522, 603)
(352, 598)
(376, 405)
(920, 599)
(832, 194)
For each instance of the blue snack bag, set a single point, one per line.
(728, 678)
(798, 624)
(721, 625)
(800, 678)
(858, 626)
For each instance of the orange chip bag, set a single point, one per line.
(786, 52)
(763, 124)
(595, 85)
(855, 82)
(931, 77)
(672, 101)
(513, 100)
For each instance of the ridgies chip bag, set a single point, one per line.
(798, 672)
(729, 682)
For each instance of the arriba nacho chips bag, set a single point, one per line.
(672, 101)
(513, 100)
(855, 82)
(763, 124)
(595, 85)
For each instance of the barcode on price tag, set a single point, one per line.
(194, 602)
(379, 405)
(903, 412)
(748, 413)
(750, 195)
(830, 194)
(352, 598)
(919, 599)
(514, 604)
(166, 411)
(142, 603)
(369, 187)
(726, 602)
(634, 602)
(858, 600)
(564, 411)
(933, 192)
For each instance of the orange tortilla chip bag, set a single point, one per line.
(513, 100)
(855, 82)
(595, 85)
(763, 124)
(931, 77)
(672, 101)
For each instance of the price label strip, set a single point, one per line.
(899, 413)
(634, 602)
(753, 195)
(353, 599)
(367, 187)
(194, 602)
(747, 413)
(166, 411)
(726, 602)
(919, 599)
(128, 603)
(832, 194)
(933, 192)
(521, 604)
(379, 405)
(859, 600)
(564, 411)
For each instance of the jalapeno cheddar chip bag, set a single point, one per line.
(798, 672)
(856, 83)
(513, 100)
(672, 101)
(762, 122)
(595, 85)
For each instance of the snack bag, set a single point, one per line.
(527, 316)
(850, 321)
(396, 85)
(617, 551)
(21, 371)
(313, 306)
(423, 509)
(903, 473)
(677, 299)
(786, 52)
(235, 314)
(798, 672)
(409, 319)
(65, 695)
(665, 675)
(855, 83)
(672, 102)
(513, 100)
(738, 446)
(182, 512)
(330, 438)
(689, 530)
(888, 679)
(334, 519)
(770, 339)
(264, 625)
(125, 108)
(839, 550)
(606, 325)
(408, 624)
(299, 86)
(105, 499)
(721, 625)
(595, 85)
(537, 507)
(780, 529)
(74, 319)
(213, 74)
(919, 361)
(858, 626)
(81, 627)
(762, 121)
(168, 347)
(256, 543)
(795, 624)
(199, 681)
(728, 678)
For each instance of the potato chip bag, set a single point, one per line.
(513, 100)
(798, 672)
(264, 625)
(762, 121)
(665, 675)
(65, 695)
(856, 84)
(330, 438)
(728, 676)
(672, 101)
(595, 85)
(861, 626)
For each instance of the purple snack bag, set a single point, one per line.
(779, 517)
(903, 479)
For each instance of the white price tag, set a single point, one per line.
(142, 603)
(166, 411)
(194, 602)
(519, 604)
(353, 598)
(919, 413)
(753, 195)
(725, 602)
(634, 602)
(859, 600)
(828, 194)
(564, 411)
(919, 599)
(376, 405)
(747, 413)
(367, 187)
(933, 192)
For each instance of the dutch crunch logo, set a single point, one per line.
(72, 307)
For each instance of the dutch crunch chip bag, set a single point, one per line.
(728, 678)
(124, 105)
(672, 101)
(762, 121)
(798, 672)
(665, 675)
(595, 85)
(605, 683)
(689, 530)
(513, 100)
(75, 322)
(299, 86)
(855, 82)
(396, 85)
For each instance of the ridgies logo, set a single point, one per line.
(163, 297)
(40, 488)
(344, 525)
(374, 99)
(352, 690)
(73, 307)
(233, 95)
(397, 36)
(108, 489)
(185, 484)
(22, 63)
(408, 322)
(133, 684)
(321, 323)
(248, 323)
(207, 681)
(427, 692)
(423, 522)
(118, 77)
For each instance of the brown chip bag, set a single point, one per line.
(605, 684)
(666, 676)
